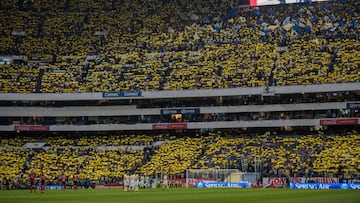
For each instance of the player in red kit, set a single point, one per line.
(32, 177)
(42, 181)
(63, 180)
(76, 181)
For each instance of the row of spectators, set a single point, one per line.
(110, 157)
(172, 45)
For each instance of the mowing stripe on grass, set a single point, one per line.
(211, 195)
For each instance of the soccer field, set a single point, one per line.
(183, 195)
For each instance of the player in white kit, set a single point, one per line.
(126, 182)
(136, 183)
(165, 183)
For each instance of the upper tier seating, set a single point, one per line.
(174, 45)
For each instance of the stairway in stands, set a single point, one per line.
(39, 79)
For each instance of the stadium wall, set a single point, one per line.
(128, 110)
(190, 125)
(181, 93)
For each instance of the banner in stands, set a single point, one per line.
(31, 128)
(222, 185)
(166, 126)
(180, 111)
(122, 94)
(98, 33)
(18, 33)
(109, 186)
(20, 58)
(353, 105)
(280, 182)
(340, 121)
(276, 2)
(324, 186)
(5, 60)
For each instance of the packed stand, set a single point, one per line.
(101, 159)
(172, 45)
(174, 157)
(106, 159)
(281, 155)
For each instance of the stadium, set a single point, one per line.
(179, 101)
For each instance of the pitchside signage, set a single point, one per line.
(51, 187)
(222, 185)
(122, 94)
(109, 186)
(326, 186)
(282, 181)
(353, 105)
(180, 111)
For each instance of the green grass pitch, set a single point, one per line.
(213, 195)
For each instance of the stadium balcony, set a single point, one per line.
(308, 107)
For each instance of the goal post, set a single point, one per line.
(194, 176)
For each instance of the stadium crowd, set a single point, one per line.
(76, 46)
(109, 45)
(105, 159)
(102, 159)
